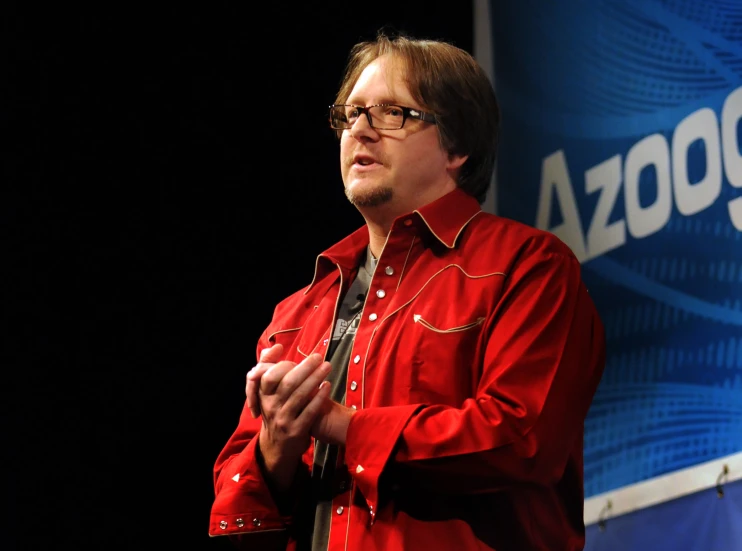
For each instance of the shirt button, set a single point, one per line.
(223, 525)
(353, 385)
(372, 317)
(356, 359)
(388, 270)
(381, 293)
(339, 510)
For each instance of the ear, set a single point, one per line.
(455, 161)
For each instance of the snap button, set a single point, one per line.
(388, 270)
(381, 293)
(339, 510)
(223, 525)
(353, 385)
(240, 523)
(356, 359)
(372, 317)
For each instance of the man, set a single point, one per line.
(427, 390)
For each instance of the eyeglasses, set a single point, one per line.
(381, 117)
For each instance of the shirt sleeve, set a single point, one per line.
(244, 503)
(543, 360)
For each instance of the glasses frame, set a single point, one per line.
(407, 112)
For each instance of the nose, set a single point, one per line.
(362, 128)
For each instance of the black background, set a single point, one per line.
(170, 176)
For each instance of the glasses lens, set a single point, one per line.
(387, 117)
(383, 117)
(339, 116)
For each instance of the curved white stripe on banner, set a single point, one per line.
(663, 488)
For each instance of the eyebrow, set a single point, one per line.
(382, 101)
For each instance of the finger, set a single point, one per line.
(257, 372)
(315, 406)
(296, 377)
(305, 392)
(253, 399)
(252, 387)
(270, 380)
(268, 357)
(272, 354)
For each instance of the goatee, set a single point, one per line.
(369, 198)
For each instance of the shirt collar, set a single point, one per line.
(445, 219)
(447, 216)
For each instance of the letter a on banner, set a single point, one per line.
(555, 182)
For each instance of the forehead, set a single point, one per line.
(382, 81)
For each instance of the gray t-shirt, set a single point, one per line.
(327, 479)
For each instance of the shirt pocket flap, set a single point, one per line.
(448, 327)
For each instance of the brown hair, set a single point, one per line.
(447, 81)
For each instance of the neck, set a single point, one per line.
(377, 234)
(379, 220)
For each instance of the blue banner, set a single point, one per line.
(699, 522)
(622, 134)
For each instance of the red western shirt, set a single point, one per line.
(472, 371)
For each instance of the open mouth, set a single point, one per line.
(361, 160)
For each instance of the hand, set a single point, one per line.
(268, 358)
(331, 426)
(291, 398)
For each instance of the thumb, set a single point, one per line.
(271, 354)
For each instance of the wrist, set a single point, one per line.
(278, 469)
(340, 428)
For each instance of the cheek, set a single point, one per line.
(345, 143)
(425, 162)
(344, 152)
(424, 152)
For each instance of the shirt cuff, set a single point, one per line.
(372, 436)
(244, 502)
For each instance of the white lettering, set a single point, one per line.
(731, 113)
(721, 141)
(693, 198)
(651, 151)
(555, 176)
(602, 237)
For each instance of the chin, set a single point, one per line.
(361, 196)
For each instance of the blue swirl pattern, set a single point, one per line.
(592, 78)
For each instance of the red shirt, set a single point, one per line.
(472, 371)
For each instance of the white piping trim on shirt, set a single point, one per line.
(452, 245)
(370, 340)
(399, 282)
(283, 331)
(332, 325)
(316, 267)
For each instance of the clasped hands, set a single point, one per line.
(294, 401)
